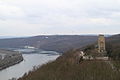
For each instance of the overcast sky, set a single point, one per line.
(36, 17)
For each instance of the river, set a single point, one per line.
(30, 60)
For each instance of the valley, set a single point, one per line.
(67, 67)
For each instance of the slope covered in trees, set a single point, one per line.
(66, 67)
(113, 46)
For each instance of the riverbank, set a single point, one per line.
(9, 58)
(30, 60)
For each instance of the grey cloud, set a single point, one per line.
(52, 14)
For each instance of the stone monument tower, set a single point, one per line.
(101, 44)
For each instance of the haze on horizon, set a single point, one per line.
(51, 17)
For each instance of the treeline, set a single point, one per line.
(113, 47)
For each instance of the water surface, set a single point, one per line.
(30, 60)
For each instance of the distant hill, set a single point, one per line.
(113, 46)
(6, 37)
(9, 37)
(58, 43)
(114, 39)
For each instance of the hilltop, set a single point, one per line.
(66, 67)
